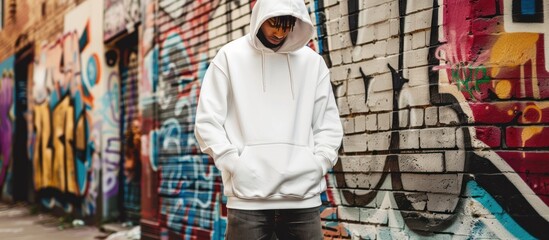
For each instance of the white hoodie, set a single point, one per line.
(269, 119)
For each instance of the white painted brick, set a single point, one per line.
(383, 30)
(334, 42)
(348, 125)
(328, 3)
(362, 164)
(343, 105)
(380, 48)
(374, 216)
(371, 3)
(367, 51)
(379, 65)
(362, 180)
(371, 122)
(332, 12)
(357, 104)
(418, 21)
(343, 24)
(380, 101)
(432, 183)
(341, 88)
(460, 139)
(418, 40)
(339, 73)
(448, 116)
(357, 54)
(394, 27)
(336, 58)
(409, 139)
(360, 123)
(427, 37)
(416, 58)
(427, 162)
(418, 76)
(381, 82)
(355, 70)
(347, 55)
(437, 138)
(366, 34)
(355, 143)
(348, 213)
(384, 121)
(344, 8)
(374, 15)
(442, 202)
(414, 96)
(407, 43)
(361, 231)
(417, 5)
(379, 141)
(431, 116)
(392, 46)
(455, 160)
(416, 117)
(403, 118)
(332, 26)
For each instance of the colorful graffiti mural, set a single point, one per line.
(444, 111)
(427, 160)
(61, 154)
(189, 188)
(6, 124)
(75, 139)
(148, 82)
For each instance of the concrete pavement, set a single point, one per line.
(17, 223)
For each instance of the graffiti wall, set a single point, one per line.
(444, 105)
(6, 124)
(189, 188)
(147, 108)
(443, 115)
(75, 143)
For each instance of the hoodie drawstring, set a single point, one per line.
(263, 71)
(291, 79)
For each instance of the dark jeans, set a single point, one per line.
(282, 224)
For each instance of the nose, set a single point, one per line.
(280, 33)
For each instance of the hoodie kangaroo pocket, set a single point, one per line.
(276, 170)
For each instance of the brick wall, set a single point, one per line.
(443, 105)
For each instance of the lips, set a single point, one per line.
(275, 40)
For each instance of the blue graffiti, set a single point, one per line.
(484, 198)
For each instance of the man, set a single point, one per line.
(267, 116)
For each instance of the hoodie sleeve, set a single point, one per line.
(327, 129)
(210, 118)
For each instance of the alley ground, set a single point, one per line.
(18, 222)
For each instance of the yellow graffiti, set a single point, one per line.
(513, 49)
(529, 132)
(503, 89)
(55, 167)
(63, 165)
(43, 155)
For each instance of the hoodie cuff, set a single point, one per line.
(324, 162)
(226, 162)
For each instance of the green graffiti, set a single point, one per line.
(469, 78)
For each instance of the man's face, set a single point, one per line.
(273, 34)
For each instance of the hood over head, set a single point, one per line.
(296, 39)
